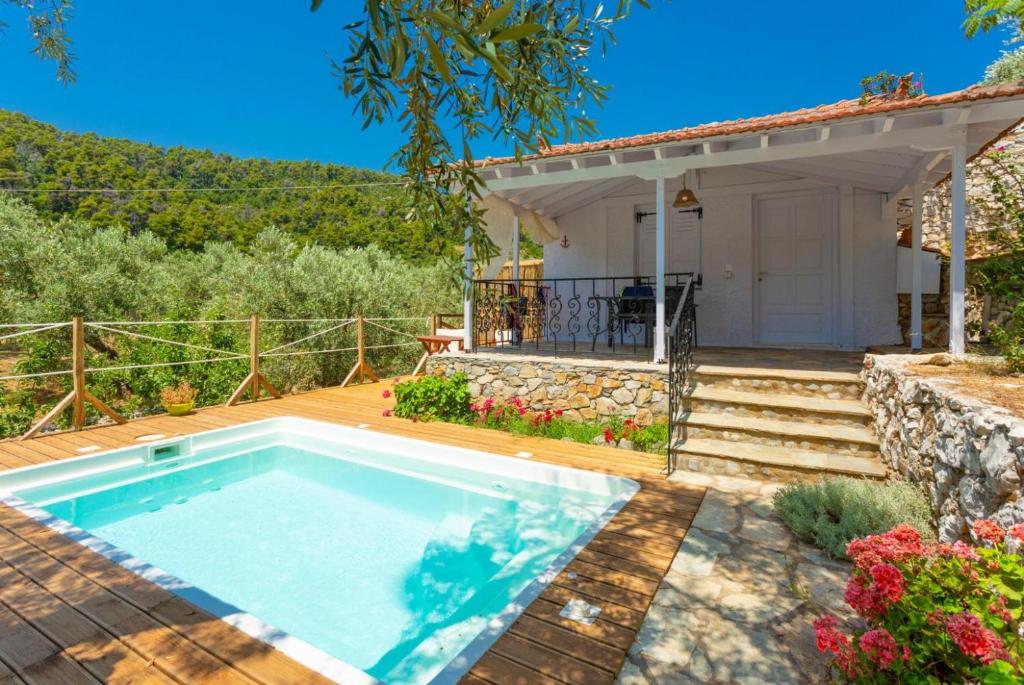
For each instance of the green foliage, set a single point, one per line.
(1009, 67)
(886, 85)
(434, 397)
(985, 15)
(516, 71)
(54, 271)
(46, 23)
(831, 512)
(38, 157)
(1009, 340)
(934, 613)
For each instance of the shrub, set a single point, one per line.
(832, 512)
(1010, 340)
(434, 397)
(935, 613)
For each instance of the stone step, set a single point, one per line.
(837, 385)
(850, 440)
(781, 464)
(717, 400)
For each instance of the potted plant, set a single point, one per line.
(178, 400)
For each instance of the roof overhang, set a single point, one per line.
(887, 152)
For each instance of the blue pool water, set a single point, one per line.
(388, 566)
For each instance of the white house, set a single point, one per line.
(792, 231)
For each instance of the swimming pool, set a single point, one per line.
(368, 557)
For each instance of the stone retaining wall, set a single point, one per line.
(968, 455)
(583, 390)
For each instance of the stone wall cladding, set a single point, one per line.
(583, 391)
(968, 455)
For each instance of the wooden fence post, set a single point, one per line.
(255, 380)
(79, 395)
(78, 372)
(361, 367)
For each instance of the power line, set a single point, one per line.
(193, 189)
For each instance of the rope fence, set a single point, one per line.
(255, 383)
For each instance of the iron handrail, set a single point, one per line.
(681, 342)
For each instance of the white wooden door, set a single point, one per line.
(683, 237)
(795, 243)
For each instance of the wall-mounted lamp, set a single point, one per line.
(564, 242)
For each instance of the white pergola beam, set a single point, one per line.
(835, 177)
(776, 151)
(587, 195)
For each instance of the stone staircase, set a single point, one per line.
(778, 423)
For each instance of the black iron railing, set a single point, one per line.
(606, 314)
(682, 341)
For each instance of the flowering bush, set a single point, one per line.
(935, 613)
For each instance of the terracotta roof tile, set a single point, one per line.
(843, 109)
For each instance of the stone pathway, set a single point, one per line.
(738, 602)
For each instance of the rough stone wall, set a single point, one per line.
(935, 313)
(936, 226)
(583, 391)
(968, 455)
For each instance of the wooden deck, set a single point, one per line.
(68, 615)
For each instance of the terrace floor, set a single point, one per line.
(69, 615)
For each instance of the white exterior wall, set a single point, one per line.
(601, 242)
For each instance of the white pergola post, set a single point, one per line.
(515, 249)
(958, 250)
(916, 272)
(467, 292)
(659, 268)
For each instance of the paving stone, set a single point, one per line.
(739, 654)
(653, 673)
(717, 513)
(771, 534)
(753, 569)
(763, 507)
(697, 555)
(686, 593)
(797, 634)
(757, 607)
(668, 635)
(826, 585)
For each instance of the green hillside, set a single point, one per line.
(35, 155)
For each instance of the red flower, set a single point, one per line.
(558, 412)
(386, 394)
(958, 550)
(608, 435)
(522, 410)
(865, 599)
(830, 639)
(902, 542)
(879, 646)
(989, 531)
(888, 581)
(974, 639)
(998, 608)
(386, 412)
(1017, 531)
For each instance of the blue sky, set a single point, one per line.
(253, 79)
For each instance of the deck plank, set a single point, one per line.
(67, 612)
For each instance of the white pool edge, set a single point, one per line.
(304, 653)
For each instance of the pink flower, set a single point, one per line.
(1017, 531)
(879, 646)
(989, 531)
(472, 406)
(888, 581)
(522, 410)
(386, 394)
(974, 639)
(386, 412)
